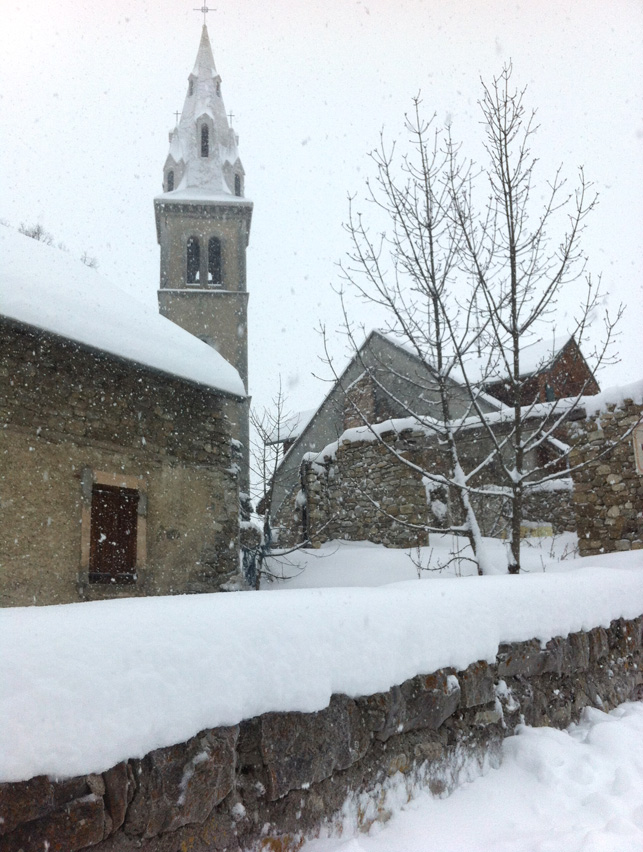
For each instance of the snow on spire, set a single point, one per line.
(204, 63)
(203, 156)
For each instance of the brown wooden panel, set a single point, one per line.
(114, 520)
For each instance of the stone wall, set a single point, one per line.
(608, 491)
(362, 492)
(71, 415)
(271, 781)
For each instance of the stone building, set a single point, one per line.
(336, 482)
(203, 226)
(124, 440)
(383, 380)
(550, 371)
(608, 488)
(117, 462)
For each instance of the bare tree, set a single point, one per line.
(523, 250)
(467, 288)
(270, 428)
(410, 271)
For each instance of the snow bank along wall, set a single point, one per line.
(357, 490)
(266, 783)
(73, 418)
(608, 491)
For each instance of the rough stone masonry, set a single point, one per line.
(270, 782)
(608, 490)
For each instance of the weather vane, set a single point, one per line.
(204, 11)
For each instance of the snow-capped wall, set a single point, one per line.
(270, 781)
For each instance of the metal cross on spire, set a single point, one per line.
(176, 116)
(204, 11)
(230, 117)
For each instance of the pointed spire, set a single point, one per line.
(204, 63)
(203, 148)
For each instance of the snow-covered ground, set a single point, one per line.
(87, 685)
(361, 563)
(578, 790)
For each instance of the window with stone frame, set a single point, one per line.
(113, 530)
(237, 185)
(170, 181)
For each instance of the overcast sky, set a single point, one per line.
(89, 91)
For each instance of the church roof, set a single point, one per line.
(204, 175)
(48, 289)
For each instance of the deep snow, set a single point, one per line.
(556, 791)
(87, 685)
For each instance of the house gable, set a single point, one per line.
(385, 381)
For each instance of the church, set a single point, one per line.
(123, 448)
(203, 226)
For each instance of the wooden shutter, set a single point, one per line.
(114, 521)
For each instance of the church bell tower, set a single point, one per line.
(203, 225)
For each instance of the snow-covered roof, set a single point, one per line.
(431, 426)
(292, 426)
(46, 288)
(534, 357)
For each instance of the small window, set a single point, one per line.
(193, 261)
(218, 88)
(113, 534)
(237, 185)
(205, 140)
(170, 181)
(190, 88)
(550, 393)
(214, 262)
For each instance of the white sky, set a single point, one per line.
(89, 91)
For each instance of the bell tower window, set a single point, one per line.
(237, 185)
(205, 140)
(170, 181)
(214, 262)
(193, 260)
(190, 88)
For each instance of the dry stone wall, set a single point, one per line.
(608, 491)
(274, 780)
(362, 492)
